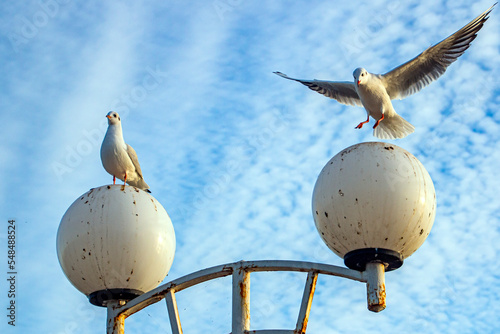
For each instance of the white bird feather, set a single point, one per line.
(118, 158)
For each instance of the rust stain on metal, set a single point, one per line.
(382, 294)
(152, 201)
(381, 299)
(118, 324)
(377, 304)
(240, 270)
(243, 291)
(347, 151)
(301, 328)
(253, 265)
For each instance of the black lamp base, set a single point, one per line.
(357, 259)
(99, 298)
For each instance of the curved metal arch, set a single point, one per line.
(240, 271)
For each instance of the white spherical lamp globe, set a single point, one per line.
(115, 242)
(374, 202)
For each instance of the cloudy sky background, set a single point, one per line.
(232, 151)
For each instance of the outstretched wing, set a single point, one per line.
(417, 73)
(343, 92)
(133, 156)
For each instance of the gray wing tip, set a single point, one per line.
(283, 75)
(488, 11)
(483, 17)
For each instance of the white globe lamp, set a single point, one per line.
(115, 242)
(374, 203)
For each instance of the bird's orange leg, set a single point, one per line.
(378, 122)
(114, 179)
(125, 180)
(360, 125)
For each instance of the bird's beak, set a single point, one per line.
(358, 82)
(108, 117)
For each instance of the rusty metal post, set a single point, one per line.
(241, 301)
(173, 312)
(375, 286)
(305, 305)
(115, 323)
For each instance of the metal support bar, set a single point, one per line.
(118, 311)
(173, 312)
(241, 301)
(375, 286)
(305, 306)
(115, 322)
(204, 275)
(272, 331)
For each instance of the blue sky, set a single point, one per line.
(232, 151)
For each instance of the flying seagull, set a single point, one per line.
(375, 91)
(118, 158)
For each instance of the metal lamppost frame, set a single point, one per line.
(119, 310)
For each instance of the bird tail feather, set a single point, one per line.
(139, 183)
(393, 127)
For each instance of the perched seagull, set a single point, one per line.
(118, 158)
(375, 91)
